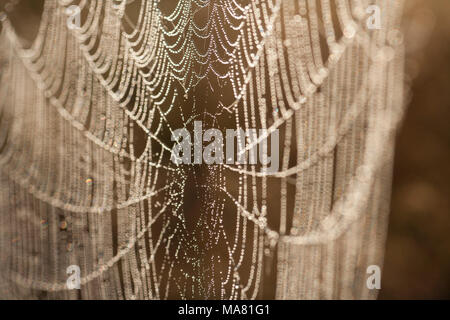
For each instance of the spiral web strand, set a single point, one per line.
(86, 117)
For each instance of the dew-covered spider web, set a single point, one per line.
(86, 119)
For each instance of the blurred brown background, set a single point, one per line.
(417, 261)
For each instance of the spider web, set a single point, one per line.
(87, 117)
